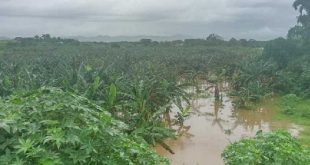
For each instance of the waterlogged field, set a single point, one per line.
(70, 102)
(66, 101)
(213, 125)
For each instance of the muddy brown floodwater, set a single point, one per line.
(215, 125)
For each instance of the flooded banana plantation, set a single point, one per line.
(212, 124)
(155, 83)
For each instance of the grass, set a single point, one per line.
(300, 116)
(293, 109)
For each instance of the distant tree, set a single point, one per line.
(243, 42)
(145, 41)
(177, 43)
(36, 37)
(192, 42)
(18, 38)
(215, 37)
(252, 40)
(155, 42)
(295, 33)
(304, 8)
(46, 36)
(115, 45)
(233, 42)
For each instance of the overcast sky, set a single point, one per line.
(258, 19)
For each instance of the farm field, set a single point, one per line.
(212, 100)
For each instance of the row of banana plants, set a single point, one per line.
(69, 102)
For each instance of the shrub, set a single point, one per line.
(49, 126)
(276, 148)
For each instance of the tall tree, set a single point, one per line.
(303, 6)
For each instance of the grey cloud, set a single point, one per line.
(261, 19)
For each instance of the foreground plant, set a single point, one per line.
(49, 126)
(276, 148)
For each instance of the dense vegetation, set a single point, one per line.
(71, 102)
(272, 148)
(295, 109)
(68, 102)
(283, 69)
(50, 126)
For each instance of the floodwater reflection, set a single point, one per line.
(213, 125)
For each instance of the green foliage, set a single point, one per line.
(49, 126)
(289, 103)
(281, 51)
(112, 95)
(296, 106)
(283, 67)
(97, 85)
(303, 6)
(136, 82)
(277, 148)
(252, 80)
(295, 109)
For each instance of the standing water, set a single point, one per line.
(214, 125)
